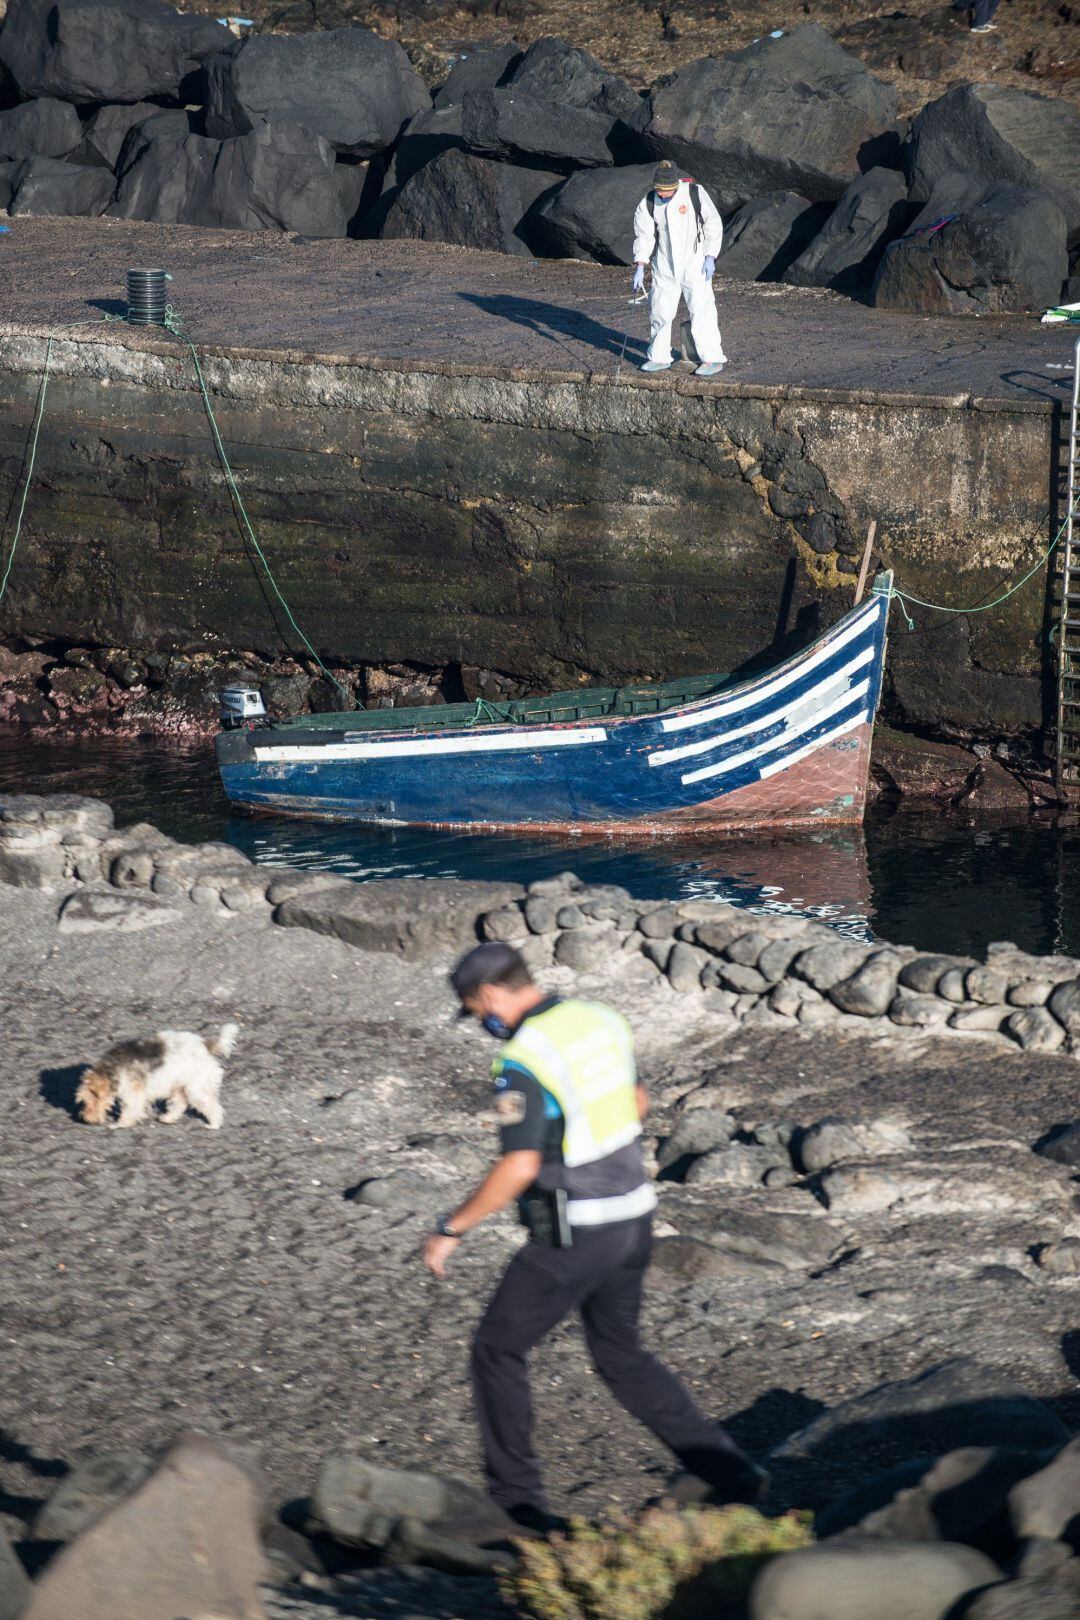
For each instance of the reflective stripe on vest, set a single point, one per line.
(583, 1054)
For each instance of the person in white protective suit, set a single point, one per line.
(678, 230)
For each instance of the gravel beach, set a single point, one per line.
(157, 1280)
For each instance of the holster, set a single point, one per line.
(546, 1217)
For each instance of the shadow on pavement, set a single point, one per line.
(555, 323)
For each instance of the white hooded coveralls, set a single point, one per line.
(671, 243)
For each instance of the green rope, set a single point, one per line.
(174, 324)
(483, 710)
(34, 436)
(904, 597)
(92, 320)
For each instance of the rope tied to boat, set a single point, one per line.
(483, 710)
(904, 597)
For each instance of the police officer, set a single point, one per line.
(570, 1110)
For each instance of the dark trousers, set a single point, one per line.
(602, 1277)
(981, 10)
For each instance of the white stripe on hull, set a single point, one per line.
(839, 681)
(771, 744)
(812, 747)
(768, 689)
(425, 747)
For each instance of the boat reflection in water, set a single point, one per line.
(819, 872)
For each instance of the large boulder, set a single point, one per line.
(104, 134)
(9, 174)
(88, 51)
(483, 69)
(470, 201)
(565, 76)
(888, 1580)
(791, 114)
(346, 84)
(1004, 252)
(956, 1404)
(160, 174)
(846, 251)
(520, 128)
(45, 128)
(989, 133)
(435, 130)
(278, 177)
(764, 237)
(51, 186)
(185, 1542)
(591, 216)
(281, 176)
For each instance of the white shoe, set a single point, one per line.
(710, 368)
(657, 365)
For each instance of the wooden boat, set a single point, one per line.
(787, 747)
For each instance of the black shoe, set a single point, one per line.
(537, 1521)
(746, 1484)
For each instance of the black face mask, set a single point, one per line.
(496, 1026)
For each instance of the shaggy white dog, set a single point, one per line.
(174, 1067)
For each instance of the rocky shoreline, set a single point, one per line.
(867, 1261)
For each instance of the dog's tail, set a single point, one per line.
(221, 1044)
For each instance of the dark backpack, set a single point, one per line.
(695, 198)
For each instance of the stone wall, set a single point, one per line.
(783, 969)
(543, 525)
(773, 968)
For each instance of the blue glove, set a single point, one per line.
(638, 283)
(709, 266)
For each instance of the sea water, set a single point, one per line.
(937, 880)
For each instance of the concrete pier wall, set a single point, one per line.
(554, 526)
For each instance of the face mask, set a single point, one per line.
(496, 1026)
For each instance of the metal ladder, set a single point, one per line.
(1067, 754)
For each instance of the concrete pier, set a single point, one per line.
(447, 463)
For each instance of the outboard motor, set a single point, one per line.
(242, 707)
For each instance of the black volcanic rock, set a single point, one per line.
(105, 50)
(46, 185)
(279, 176)
(515, 127)
(470, 201)
(791, 114)
(356, 90)
(1004, 252)
(766, 235)
(482, 69)
(846, 251)
(45, 128)
(553, 71)
(985, 133)
(591, 216)
(104, 134)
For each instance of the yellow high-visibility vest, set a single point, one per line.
(583, 1054)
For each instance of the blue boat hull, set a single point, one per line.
(789, 746)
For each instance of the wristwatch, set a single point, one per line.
(444, 1228)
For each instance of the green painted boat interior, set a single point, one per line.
(554, 708)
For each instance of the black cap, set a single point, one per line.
(484, 964)
(667, 174)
